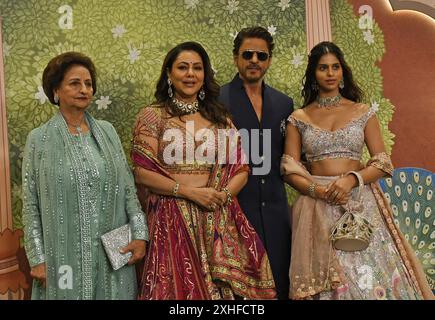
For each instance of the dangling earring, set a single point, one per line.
(315, 86)
(170, 92)
(56, 99)
(341, 84)
(201, 95)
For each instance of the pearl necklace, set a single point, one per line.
(328, 102)
(186, 107)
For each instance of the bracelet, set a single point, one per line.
(358, 177)
(312, 190)
(229, 195)
(360, 183)
(175, 189)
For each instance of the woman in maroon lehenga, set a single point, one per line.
(188, 168)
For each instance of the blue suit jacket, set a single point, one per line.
(264, 199)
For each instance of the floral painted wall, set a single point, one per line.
(128, 40)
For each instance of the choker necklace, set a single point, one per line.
(328, 102)
(186, 107)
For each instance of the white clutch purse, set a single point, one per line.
(113, 241)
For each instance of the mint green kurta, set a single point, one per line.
(76, 188)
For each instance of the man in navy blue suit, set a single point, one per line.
(260, 113)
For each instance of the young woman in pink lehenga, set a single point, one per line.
(366, 257)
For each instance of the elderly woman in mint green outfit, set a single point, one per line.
(77, 186)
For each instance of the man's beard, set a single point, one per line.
(254, 79)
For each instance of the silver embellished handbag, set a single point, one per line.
(113, 241)
(352, 232)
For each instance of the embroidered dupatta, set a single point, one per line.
(194, 254)
(316, 269)
(64, 216)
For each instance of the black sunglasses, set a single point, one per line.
(261, 55)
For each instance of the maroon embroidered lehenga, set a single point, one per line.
(194, 254)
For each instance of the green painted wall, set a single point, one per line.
(128, 39)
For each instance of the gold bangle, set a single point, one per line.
(312, 190)
(175, 189)
(229, 195)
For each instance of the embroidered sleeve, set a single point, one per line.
(383, 162)
(370, 113)
(136, 217)
(300, 125)
(148, 122)
(33, 233)
(133, 208)
(147, 129)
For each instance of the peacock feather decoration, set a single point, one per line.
(410, 194)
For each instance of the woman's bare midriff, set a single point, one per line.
(334, 167)
(192, 180)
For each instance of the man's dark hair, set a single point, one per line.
(253, 32)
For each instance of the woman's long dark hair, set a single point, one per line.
(209, 108)
(310, 89)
